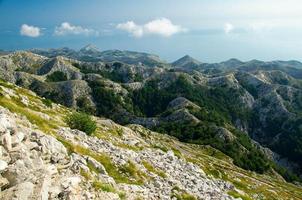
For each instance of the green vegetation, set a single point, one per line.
(82, 122)
(47, 102)
(237, 195)
(84, 105)
(150, 168)
(56, 77)
(106, 99)
(218, 107)
(104, 187)
(133, 173)
(15, 107)
(181, 194)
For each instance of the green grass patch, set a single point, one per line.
(184, 196)
(177, 153)
(85, 174)
(150, 168)
(43, 124)
(235, 194)
(47, 102)
(133, 173)
(103, 186)
(161, 147)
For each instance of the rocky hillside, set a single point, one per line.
(41, 158)
(250, 111)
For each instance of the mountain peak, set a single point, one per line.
(233, 62)
(90, 48)
(185, 61)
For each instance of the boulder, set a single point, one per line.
(53, 147)
(3, 165)
(95, 164)
(6, 141)
(17, 138)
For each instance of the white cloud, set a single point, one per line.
(228, 28)
(132, 28)
(30, 31)
(68, 29)
(162, 27)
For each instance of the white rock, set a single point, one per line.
(23, 191)
(5, 123)
(6, 140)
(101, 169)
(24, 100)
(51, 145)
(17, 138)
(3, 166)
(71, 182)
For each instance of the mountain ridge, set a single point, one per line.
(117, 162)
(217, 104)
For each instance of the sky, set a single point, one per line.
(208, 30)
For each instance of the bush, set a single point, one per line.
(56, 77)
(47, 102)
(82, 122)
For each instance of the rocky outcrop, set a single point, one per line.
(34, 165)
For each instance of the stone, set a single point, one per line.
(24, 100)
(52, 147)
(43, 188)
(4, 155)
(17, 138)
(71, 182)
(5, 123)
(24, 190)
(6, 140)
(3, 166)
(98, 166)
(3, 183)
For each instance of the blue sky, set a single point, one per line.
(209, 30)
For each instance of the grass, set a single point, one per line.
(150, 168)
(176, 152)
(161, 147)
(85, 174)
(127, 146)
(92, 168)
(103, 186)
(134, 173)
(235, 194)
(43, 124)
(184, 196)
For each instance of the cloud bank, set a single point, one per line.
(30, 31)
(68, 29)
(162, 27)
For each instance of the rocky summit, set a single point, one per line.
(94, 124)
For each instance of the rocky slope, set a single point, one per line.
(41, 158)
(220, 104)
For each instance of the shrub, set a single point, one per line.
(47, 102)
(56, 77)
(82, 122)
(84, 105)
